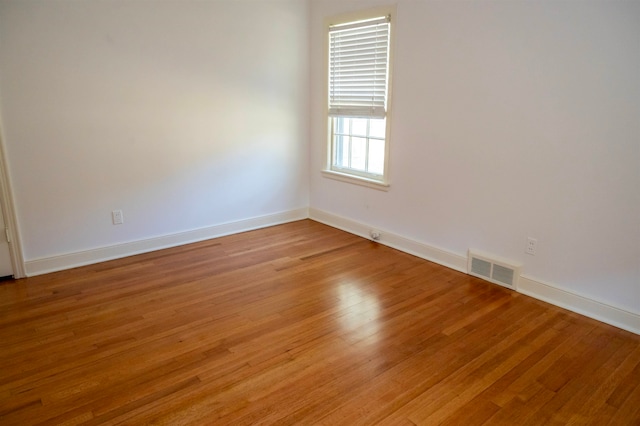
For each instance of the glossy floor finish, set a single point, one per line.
(301, 324)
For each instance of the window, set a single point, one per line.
(358, 99)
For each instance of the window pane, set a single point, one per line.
(376, 156)
(377, 128)
(341, 125)
(359, 126)
(342, 151)
(358, 153)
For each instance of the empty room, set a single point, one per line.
(243, 212)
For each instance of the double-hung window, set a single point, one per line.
(358, 99)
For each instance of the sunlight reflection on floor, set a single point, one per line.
(361, 311)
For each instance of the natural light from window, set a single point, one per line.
(359, 144)
(358, 81)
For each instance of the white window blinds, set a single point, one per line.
(358, 68)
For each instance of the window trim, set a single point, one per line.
(328, 170)
(358, 180)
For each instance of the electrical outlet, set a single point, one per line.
(117, 217)
(375, 235)
(532, 246)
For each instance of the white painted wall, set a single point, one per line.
(511, 119)
(184, 114)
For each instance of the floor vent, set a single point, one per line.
(493, 269)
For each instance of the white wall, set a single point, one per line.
(511, 119)
(184, 114)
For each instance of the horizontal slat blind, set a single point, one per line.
(358, 58)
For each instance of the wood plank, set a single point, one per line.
(301, 324)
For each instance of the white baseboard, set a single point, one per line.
(591, 308)
(407, 245)
(549, 293)
(102, 254)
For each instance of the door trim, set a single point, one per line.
(8, 211)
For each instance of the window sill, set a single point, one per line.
(356, 180)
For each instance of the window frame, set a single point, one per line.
(338, 173)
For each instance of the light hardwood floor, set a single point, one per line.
(301, 324)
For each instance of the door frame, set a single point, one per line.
(8, 211)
